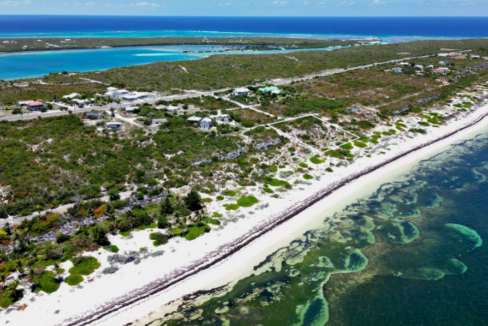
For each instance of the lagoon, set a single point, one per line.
(33, 64)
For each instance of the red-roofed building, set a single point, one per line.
(35, 106)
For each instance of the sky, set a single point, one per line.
(247, 7)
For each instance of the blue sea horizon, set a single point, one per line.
(392, 29)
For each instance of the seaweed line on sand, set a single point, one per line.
(225, 251)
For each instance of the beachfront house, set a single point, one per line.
(205, 124)
(420, 67)
(243, 91)
(35, 106)
(158, 122)
(270, 89)
(404, 64)
(443, 63)
(114, 125)
(438, 71)
(444, 69)
(397, 70)
(430, 67)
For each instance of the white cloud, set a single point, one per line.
(27, 2)
(306, 3)
(280, 3)
(147, 4)
(378, 2)
(225, 4)
(322, 4)
(90, 4)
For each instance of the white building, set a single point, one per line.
(71, 96)
(173, 109)
(114, 125)
(131, 109)
(241, 91)
(194, 119)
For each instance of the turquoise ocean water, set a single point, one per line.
(410, 254)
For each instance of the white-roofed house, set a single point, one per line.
(114, 125)
(173, 109)
(158, 122)
(130, 109)
(241, 91)
(194, 119)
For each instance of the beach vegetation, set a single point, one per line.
(74, 279)
(307, 177)
(158, 239)
(84, 265)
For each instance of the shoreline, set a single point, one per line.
(219, 256)
(157, 282)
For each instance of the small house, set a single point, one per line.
(172, 109)
(430, 67)
(438, 70)
(397, 70)
(353, 110)
(35, 106)
(114, 125)
(158, 122)
(80, 102)
(23, 104)
(94, 115)
(404, 64)
(131, 109)
(221, 117)
(205, 124)
(419, 67)
(243, 91)
(194, 119)
(443, 63)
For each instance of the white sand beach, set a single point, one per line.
(102, 298)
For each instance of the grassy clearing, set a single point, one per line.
(86, 266)
(74, 279)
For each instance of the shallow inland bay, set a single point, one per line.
(410, 254)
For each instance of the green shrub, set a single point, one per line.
(347, 146)
(212, 221)
(232, 207)
(420, 131)
(316, 160)
(47, 282)
(9, 297)
(85, 266)
(112, 248)
(217, 214)
(273, 168)
(303, 165)
(360, 144)
(220, 197)
(63, 238)
(208, 200)
(329, 170)
(247, 201)
(74, 279)
(159, 238)
(196, 231)
(307, 177)
(175, 232)
(277, 183)
(269, 191)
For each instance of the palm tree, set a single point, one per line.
(31, 275)
(3, 279)
(19, 267)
